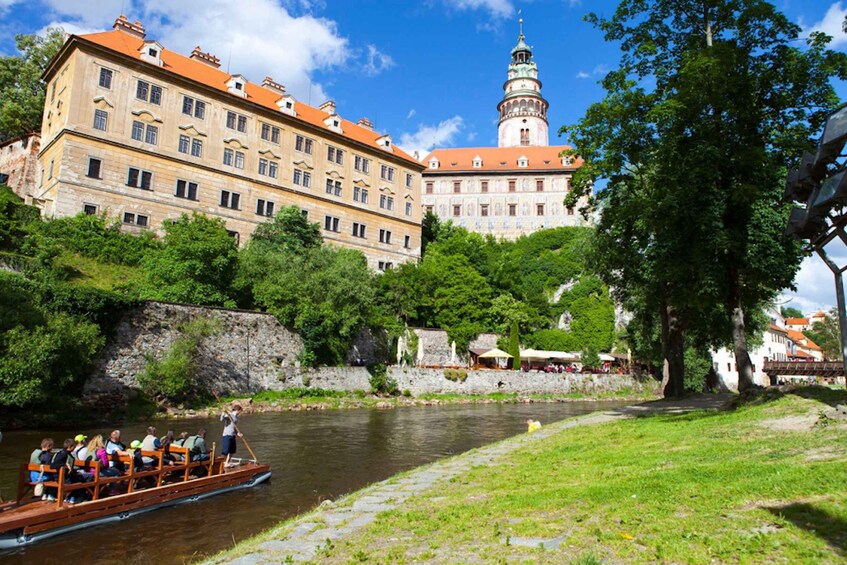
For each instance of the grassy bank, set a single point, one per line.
(762, 483)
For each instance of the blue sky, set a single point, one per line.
(427, 72)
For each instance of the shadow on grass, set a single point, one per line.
(703, 405)
(830, 528)
(822, 394)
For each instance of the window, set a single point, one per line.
(187, 144)
(362, 164)
(101, 119)
(148, 92)
(50, 172)
(303, 144)
(89, 209)
(330, 223)
(264, 208)
(233, 158)
(539, 185)
(152, 136)
(429, 209)
(105, 78)
(93, 168)
(184, 144)
(457, 210)
(186, 189)
(137, 178)
(408, 180)
(384, 236)
(263, 167)
(236, 122)
(196, 147)
(511, 185)
(407, 242)
(147, 134)
(570, 211)
(135, 219)
(429, 187)
(387, 173)
(408, 208)
(270, 133)
(359, 230)
(385, 265)
(333, 187)
(53, 91)
(137, 131)
(234, 235)
(273, 168)
(360, 194)
(539, 209)
(302, 178)
(386, 202)
(335, 155)
(192, 107)
(513, 209)
(457, 187)
(483, 186)
(483, 210)
(230, 199)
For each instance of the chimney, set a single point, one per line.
(206, 58)
(366, 123)
(136, 29)
(270, 84)
(328, 107)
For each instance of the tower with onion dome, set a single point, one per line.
(523, 111)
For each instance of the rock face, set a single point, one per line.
(248, 352)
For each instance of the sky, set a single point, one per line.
(429, 72)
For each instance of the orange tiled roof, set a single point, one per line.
(495, 159)
(197, 71)
(774, 327)
(797, 321)
(800, 337)
(801, 353)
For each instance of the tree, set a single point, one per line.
(790, 312)
(712, 102)
(515, 346)
(196, 265)
(15, 217)
(22, 92)
(431, 226)
(827, 335)
(288, 230)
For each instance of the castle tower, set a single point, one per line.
(523, 111)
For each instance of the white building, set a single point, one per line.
(776, 346)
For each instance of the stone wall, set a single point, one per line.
(19, 160)
(249, 351)
(438, 350)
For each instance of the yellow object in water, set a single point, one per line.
(533, 426)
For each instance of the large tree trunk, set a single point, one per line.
(673, 350)
(739, 335)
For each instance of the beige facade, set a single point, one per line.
(19, 164)
(138, 132)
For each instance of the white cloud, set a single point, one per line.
(574, 3)
(831, 24)
(427, 137)
(471, 136)
(411, 113)
(815, 286)
(583, 74)
(497, 8)
(260, 38)
(377, 61)
(598, 71)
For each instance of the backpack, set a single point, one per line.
(190, 444)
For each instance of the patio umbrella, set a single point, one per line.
(495, 354)
(420, 351)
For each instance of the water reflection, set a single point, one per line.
(314, 456)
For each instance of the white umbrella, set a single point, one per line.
(400, 346)
(420, 351)
(453, 353)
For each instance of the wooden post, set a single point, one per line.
(60, 492)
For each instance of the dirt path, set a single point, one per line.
(306, 537)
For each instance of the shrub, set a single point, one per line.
(99, 238)
(456, 375)
(380, 382)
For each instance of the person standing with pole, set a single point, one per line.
(230, 420)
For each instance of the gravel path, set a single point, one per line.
(306, 537)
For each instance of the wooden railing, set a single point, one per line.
(804, 368)
(158, 471)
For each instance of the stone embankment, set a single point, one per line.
(250, 352)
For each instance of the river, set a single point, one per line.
(314, 455)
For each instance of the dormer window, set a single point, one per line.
(333, 122)
(152, 53)
(433, 163)
(522, 162)
(477, 162)
(236, 84)
(286, 105)
(385, 143)
(567, 160)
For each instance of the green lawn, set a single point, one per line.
(85, 271)
(763, 483)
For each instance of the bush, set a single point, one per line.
(98, 237)
(456, 375)
(381, 383)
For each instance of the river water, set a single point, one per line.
(315, 455)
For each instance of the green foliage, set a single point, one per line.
(174, 375)
(515, 345)
(15, 219)
(22, 93)
(791, 312)
(431, 226)
(589, 358)
(289, 230)
(456, 375)
(98, 237)
(827, 336)
(380, 382)
(196, 265)
(698, 362)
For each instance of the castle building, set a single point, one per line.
(517, 187)
(134, 130)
